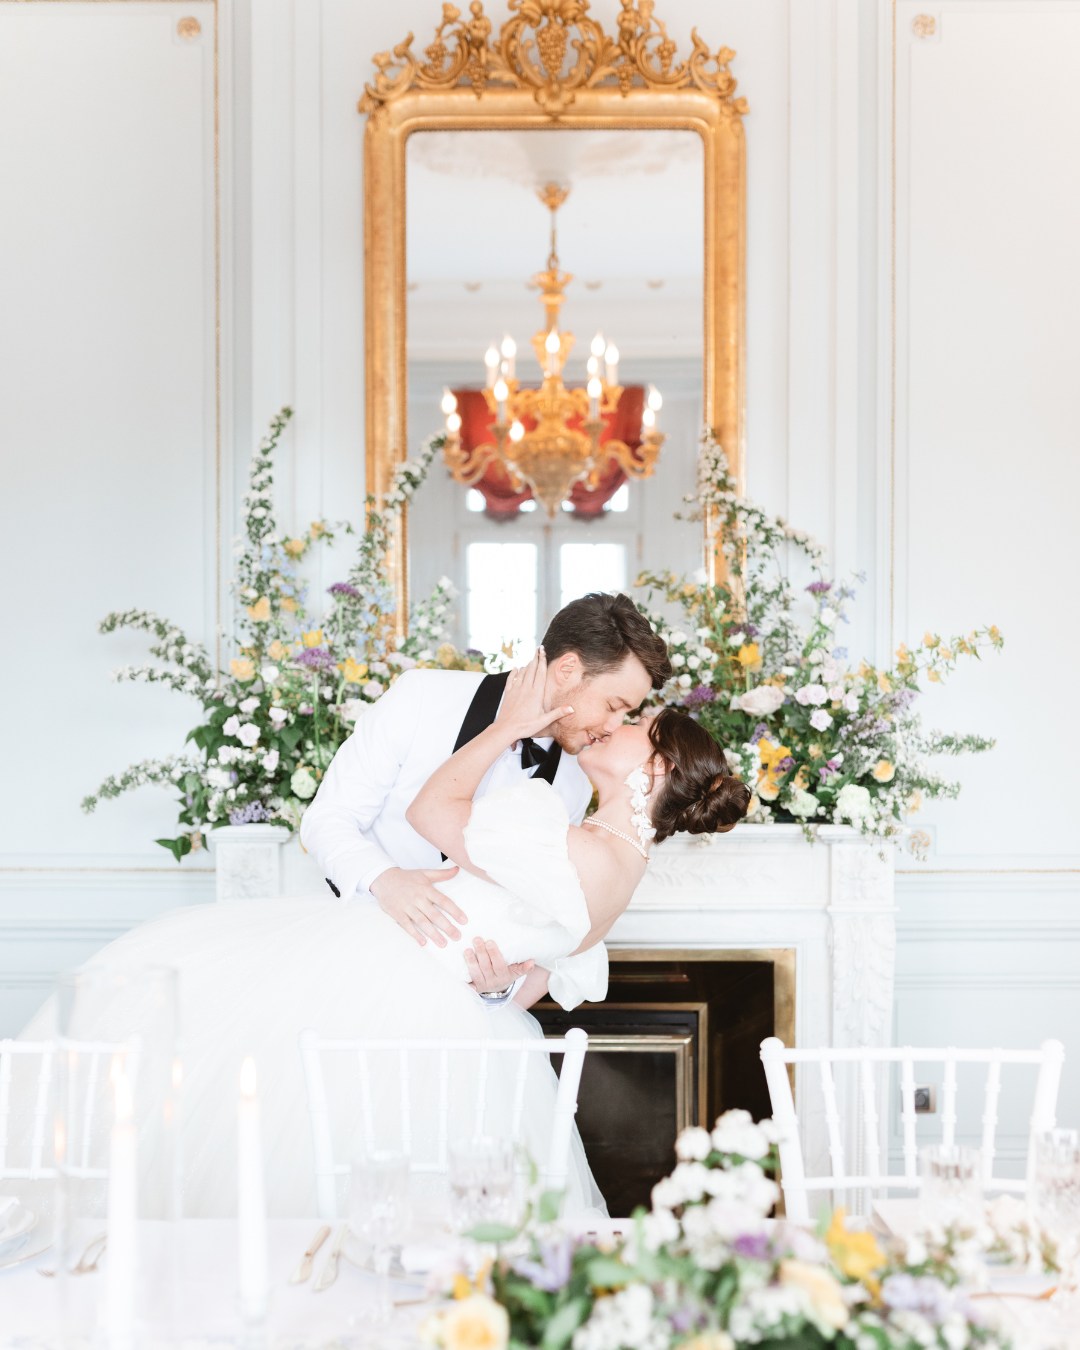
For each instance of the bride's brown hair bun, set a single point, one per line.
(699, 794)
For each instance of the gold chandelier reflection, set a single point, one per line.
(549, 438)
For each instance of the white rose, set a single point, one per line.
(678, 638)
(219, 778)
(802, 804)
(269, 674)
(852, 802)
(372, 690)
(836, 691)
(303, 784)
(762, 701)
(851, 702)
(249, 705)
(821, 720)
(816, 657)
(693, 1144)
(270, 762)
(401, 661)
(692, 662)
(736, 639)
(352, 709)
(380, 668)
(685, 681)
(814, 694)
(677, 659)
(248, 734)
(278, 716)
(231, 726)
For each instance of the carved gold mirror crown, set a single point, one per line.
(550, 65)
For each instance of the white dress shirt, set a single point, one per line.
(356, 828)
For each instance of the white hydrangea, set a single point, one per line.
(627, 1318)
(693, 1144)
(853, 802)
(736, 1132)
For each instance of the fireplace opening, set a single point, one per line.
(675, 1044)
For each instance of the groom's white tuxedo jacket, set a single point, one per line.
(355, 826)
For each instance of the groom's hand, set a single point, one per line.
(488, 971)
(410, 898)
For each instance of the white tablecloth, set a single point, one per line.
(207, 1309)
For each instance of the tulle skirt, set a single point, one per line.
(253, 975)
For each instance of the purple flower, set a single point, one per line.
(552, 1271)
(839, 653)
(702, 693)
(751, 630)
(754, 1246)
(341, 588)
(923, 1294)
(760, 730)
(316, 659)
(786, 763)
(254, 813)
(820, 587)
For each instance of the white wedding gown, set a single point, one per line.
(253, 974)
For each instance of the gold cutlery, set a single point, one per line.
(303, 1270)
(88, 1261)
(330, 1270)
(1008, 1294)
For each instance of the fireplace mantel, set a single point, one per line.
(764, 887)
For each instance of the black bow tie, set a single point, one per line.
(534, 756)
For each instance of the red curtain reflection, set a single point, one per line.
(500, 498)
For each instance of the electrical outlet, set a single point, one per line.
(925, 1101)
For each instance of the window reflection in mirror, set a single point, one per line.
(630, 234)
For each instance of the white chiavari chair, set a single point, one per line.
(873, 1093)
(29, 1074)
(407, 1077)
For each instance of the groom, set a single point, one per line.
(603, 660)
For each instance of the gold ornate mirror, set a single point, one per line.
(646, 152)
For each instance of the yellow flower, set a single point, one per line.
(709, 1340)
(295, 547)
(883, 771)
(931, 640)
(856, 1255)
(476, 1323)
(313, 638)
(277, 651)
(352, 671)
(994, 634)
(884, 683)
(242, 669)
(814, 750)
(767, 788)
(914, 802)
(287, 602)
(260, 610)
(755, 802)
(318, 529)
(902, 653)
(823, 1290)
(933, 676)
(864, 670)
(749, 656)
(801, 780)
(446, 655)
(946, 654)
(689, 588)
(771, 755)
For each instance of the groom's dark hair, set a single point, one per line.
(604, 630)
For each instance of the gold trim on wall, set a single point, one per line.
(550, 67)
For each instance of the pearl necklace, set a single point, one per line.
(621, 834)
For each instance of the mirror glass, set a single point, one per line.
(630, 235)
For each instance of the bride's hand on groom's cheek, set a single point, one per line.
(523, 711)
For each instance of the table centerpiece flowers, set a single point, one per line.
(705, 1268)
(274, 716)
(758, 662)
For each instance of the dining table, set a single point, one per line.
(205, 1309)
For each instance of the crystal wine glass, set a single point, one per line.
(379, 1209)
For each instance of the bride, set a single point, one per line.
(252, 976)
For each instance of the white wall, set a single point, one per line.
(953, 495)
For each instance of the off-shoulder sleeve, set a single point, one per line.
(518, 836)
(581, 978)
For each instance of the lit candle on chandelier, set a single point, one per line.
(502, 393)
(597, 347)
(654, 403)
(611, 363)
(552, 345)
(448, 405)
(648, 420)
(594, 389)
(509, 352)
(517, 430)
(592, 366)
(491, 362)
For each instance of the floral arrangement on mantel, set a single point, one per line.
(274, 718)
(821, 740)
(706, 1269)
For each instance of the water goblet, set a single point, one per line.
(950, 1190)
(482, 1189)
(379, 1210)
(1055, 1203)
